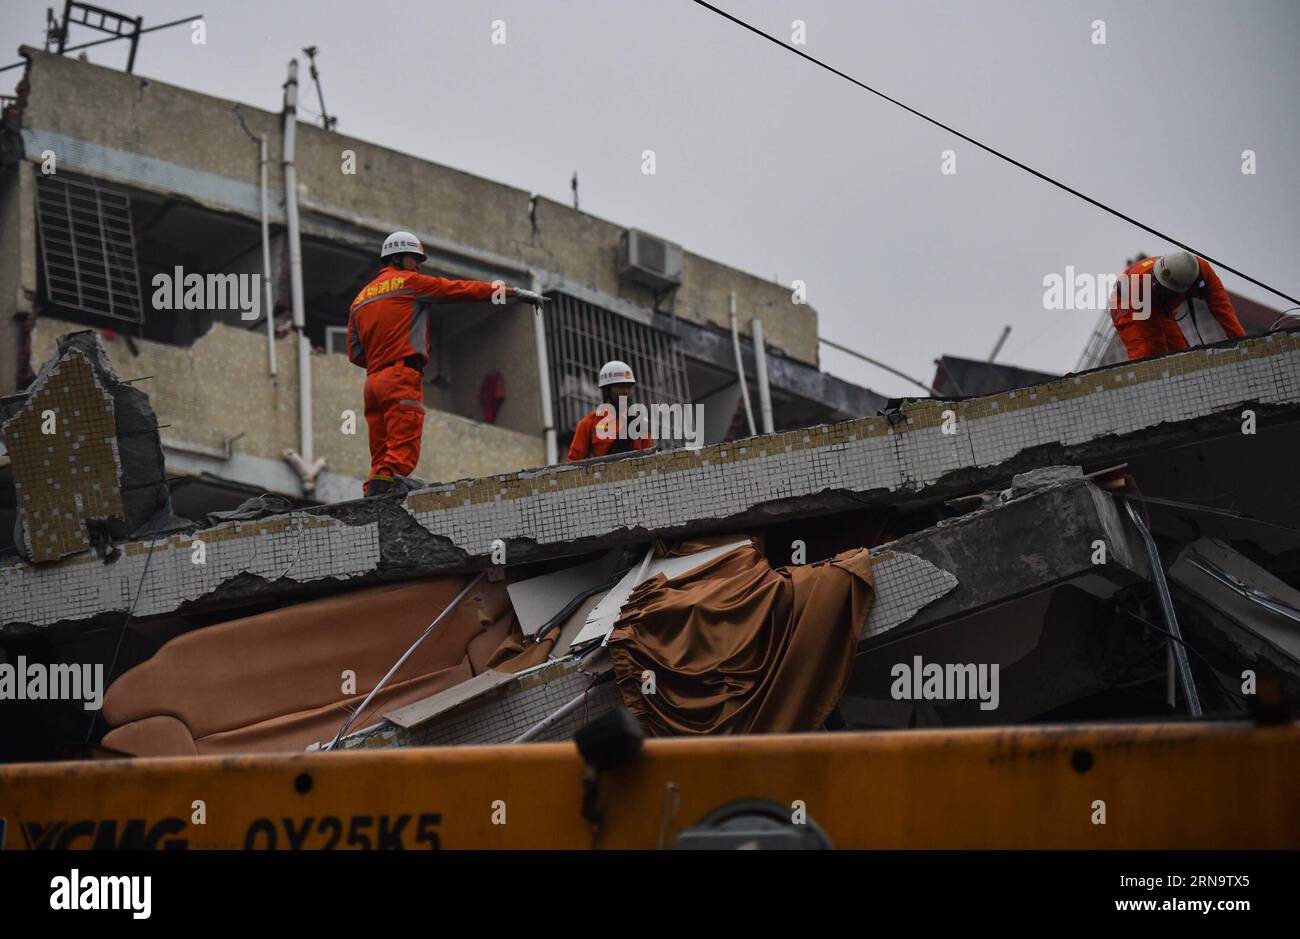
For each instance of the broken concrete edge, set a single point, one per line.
(75, 512)
(970, 548)
(409, 548)
(912, 456)
(67, 535)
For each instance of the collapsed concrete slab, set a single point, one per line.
(1033, 571)
(1067, 531)
(148, 578)
(926, 449)
(924, 452)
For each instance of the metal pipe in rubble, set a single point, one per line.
(764, 390)
(740, 368)
(930, 390)
(544, 377)
(1006, 331)
(546, 723)
(263, 159)
(402, 661)
(305, 446)
(1167, 608)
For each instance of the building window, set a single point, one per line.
(87, 247)
(581, 337)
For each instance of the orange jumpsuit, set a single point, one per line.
(1159, 333)
(388, 335)
(599, 437)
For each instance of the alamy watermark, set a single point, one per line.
(79, 891)
(229, 292)
(34, 681)
(660, 421)
(1076, 290)
(951, 682)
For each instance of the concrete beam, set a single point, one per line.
(1030, 544)
(907, 457)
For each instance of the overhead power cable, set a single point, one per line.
(997, 153)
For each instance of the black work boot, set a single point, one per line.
(379, 486)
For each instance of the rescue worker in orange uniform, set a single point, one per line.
(388, 335)
(1174, 279)
(599, 433)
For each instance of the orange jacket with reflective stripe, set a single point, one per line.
(598, 437)
(1160, 333)
(388, 319)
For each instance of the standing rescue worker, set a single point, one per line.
(388, 335)
(1174, 279)
(598, 433)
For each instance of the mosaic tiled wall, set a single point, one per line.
(297, 547)
(662, 491)
(905, 584)
(63, 448)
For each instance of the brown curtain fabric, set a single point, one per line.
(738, 647)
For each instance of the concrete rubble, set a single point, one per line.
(1007, 542)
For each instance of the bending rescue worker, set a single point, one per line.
(1174, 279)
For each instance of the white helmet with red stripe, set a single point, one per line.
(402, 242)
(1177, 271)
(616, 373)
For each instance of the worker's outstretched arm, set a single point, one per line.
(449, 291)
(460, 291)
(1220, 304)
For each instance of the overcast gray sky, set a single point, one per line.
(775, 166)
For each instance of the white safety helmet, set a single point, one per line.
(1178, 271)
(616, 373)
(402, 242)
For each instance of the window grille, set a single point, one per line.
(87, 247)
(581, 337)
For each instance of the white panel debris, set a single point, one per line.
(538, 599)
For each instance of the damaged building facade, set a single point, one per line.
(100, 195)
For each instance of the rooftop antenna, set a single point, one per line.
(573, 184)
(53, 28)
(105, 21)
(326, 121)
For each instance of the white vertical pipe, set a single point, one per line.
(740, 367)
(544, 377)
(295, 266)
(263, 159)
(764, 392)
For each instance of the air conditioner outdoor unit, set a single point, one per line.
(649, 260)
